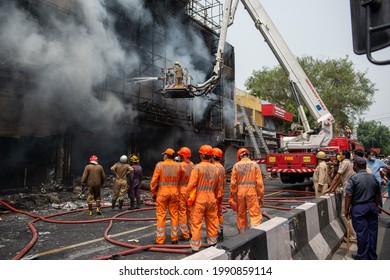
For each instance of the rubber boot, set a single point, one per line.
(120, 205)
(89, 209)
(131, 203)
(113, 204)
(138, 203)
(98, 211)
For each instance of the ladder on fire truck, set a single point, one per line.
(253, 137)
(259, 132)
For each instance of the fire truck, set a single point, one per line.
(294, 167)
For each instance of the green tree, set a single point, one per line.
(347, 93)
(374, 134)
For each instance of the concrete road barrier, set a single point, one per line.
(312, 231)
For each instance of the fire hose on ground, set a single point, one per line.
(165, 248)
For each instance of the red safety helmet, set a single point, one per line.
(185, 152)
(93, 158)
(206, 150)
(240, 152)
(217, 152)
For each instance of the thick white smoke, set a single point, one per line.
(68, 59)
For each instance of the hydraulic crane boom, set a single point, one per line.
(302, 88)
(209, 85)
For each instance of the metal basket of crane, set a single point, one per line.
(176, 82)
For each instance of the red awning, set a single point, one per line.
(271, 110)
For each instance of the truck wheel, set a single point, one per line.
(286, 178)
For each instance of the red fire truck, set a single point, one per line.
(294, 167)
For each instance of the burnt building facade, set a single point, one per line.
(81, 77)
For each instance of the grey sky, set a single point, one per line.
(317, 28)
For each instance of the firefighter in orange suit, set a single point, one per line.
(216, 160)
(184, 210)
(247, 190)
(93, 177)
(164, 188)
(205, 178)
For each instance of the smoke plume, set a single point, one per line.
(68, 57)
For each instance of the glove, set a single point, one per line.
(261, 202)
(154, 196)
(191, 197)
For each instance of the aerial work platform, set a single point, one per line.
(176, 82)
(176, 92)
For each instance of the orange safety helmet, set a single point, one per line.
(93, 158)
(185, 152)
(240, 152)
(169, 151)
(217, 152)
(206, 150)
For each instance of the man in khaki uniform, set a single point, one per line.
(178, 73)
(344, 172)
(321, 177)
(93, 177)
(120, 169)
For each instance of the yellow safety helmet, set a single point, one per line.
(177, 63)
(321, 155)
(134, 158)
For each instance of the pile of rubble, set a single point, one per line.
(60, 197)
(56, 196)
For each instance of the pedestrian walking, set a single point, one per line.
(247, 190)
(376, 165)
(121, 170)
(205, 178)
(164, 188)
(135, 183)
(184, 210)
(361, 203)
(216, 160)
(93, 176)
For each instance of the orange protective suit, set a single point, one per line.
(184, 210)
(222, 180)
(165, 187)
(246, 187)
(205, 178)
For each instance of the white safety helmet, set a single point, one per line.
(123, 159)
